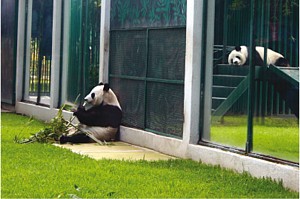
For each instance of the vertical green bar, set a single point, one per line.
(297, 47)
(145, 80)
(249, 143)
(292, 47)
(202, 78)
(225, 29)
(280, 27)
(79, 74)
(266, 31)
(25, 46)
(261, 7)
(59, 103)
(85, 53)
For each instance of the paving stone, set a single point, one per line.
(116, 150)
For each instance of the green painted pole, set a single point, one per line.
(225, 25)
(25, 45)
(249, 143)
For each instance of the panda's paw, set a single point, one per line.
(63, 139)
(80, 109)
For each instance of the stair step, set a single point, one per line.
(222, 91)
(225, 69)
(227, 80)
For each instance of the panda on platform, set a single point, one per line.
(239, 56)
(99, 116)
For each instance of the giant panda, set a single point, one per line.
(239, 56)
(100, 115)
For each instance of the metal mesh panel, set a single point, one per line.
(166, 54)
(131, 94)
(128, 53)
(147, 72)
(165, 108)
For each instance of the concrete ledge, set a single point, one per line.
(40, 112)
(289, 175)
(167, 145)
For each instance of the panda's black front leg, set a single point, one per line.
(90, 117)
(82, 115)
(77, 138)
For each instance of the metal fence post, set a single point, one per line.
(249, 143)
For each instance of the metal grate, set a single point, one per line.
(131, 94)
(166, 54)
(164, 108)
(128, 53)
(146, 72)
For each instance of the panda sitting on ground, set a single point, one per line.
(239, 56)
(99, 116)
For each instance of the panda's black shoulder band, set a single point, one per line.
(106, 87)
(101, 83)
(238, 48)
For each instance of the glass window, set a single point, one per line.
(275, 95)
(40, 50)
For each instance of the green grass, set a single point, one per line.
(278, 137)
(45, 171)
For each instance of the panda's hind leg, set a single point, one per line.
(76, 138)
(282, 62)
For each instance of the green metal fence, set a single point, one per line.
(84, 42)
(147, 58)
(277, 27)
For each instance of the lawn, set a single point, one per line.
(45, 171)
(278, 137)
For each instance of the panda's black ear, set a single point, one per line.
(101, 83)
(106, 87)
(238, 48)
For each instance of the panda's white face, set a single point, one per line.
(100, 94)
(238, 56)
(94, 98)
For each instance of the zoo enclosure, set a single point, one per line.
(150, 78)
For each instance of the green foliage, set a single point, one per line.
(51, 133)
(45, 171)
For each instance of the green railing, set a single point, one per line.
(276, 27)
(84, 41)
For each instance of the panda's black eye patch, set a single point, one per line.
(93, 95)
(238, 57)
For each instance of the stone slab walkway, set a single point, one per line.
(116, 150)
